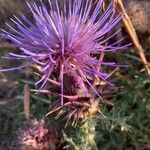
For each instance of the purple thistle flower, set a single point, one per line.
(66, 41)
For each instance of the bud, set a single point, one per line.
(36, 136)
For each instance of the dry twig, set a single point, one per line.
(132, 33)
(26, 101)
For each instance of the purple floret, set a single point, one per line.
(65, 41)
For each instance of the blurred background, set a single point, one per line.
(128, 127)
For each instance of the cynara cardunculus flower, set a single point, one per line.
(69, 41)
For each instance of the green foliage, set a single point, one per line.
(127, 123)
(81, 137)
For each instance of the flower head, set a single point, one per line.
(68, 42)
(37, 136)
